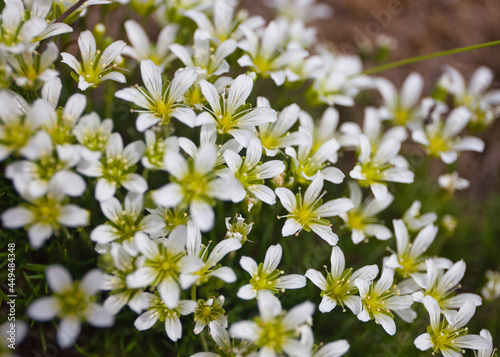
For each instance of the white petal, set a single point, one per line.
(146, 320)
(104, 189)
(327, 304)
(287, 198)
(424, 342)
(68, 331)
(272, 258)
(170, 292)
(317, 278)
(17, 217)
(387, 323)
(58, 278)
(100, 317)
(203, 214)
(325, 232)
(43, 309)
(249, 265)
(73, 216)
(38, 234)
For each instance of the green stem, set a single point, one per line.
(203, 341)
(193, 292)
(406, 61)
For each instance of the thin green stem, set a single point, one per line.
(203, 341)
(193, 292)
(406, 61)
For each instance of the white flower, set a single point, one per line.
(251, 172)
(274, 332)
(143, 49)
(72, 302)
(441, 139)
(331, 349)
(238, 229)
(124, 222)
(223, 341)
(266, 276)
(307, 212)
(492, 289)
(336, 77)
(414, 220)
(487, 352)
(210, 60)
(378, 301)
(211, 267)
(116, 168)
(473, 96)
(22, 30)
(196, 185)
(361, 220)
(230, 115)
(158, 310)
(442, 286)
(31, 70)
(378, 165)
(372, 129)
(304, 10)
(159, 103)
(162, 263)
(45, 165)
(120, 295)
(277, 135)
(209, 312)
(402, 108)
(266, 54)
(156, 147)
(18, 126)
(409, 255)
(452, 182)
(449, 337)
(41, 216)
(93, 134)
(338, 287)
(95, 67)
(318, 147)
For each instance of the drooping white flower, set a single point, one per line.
(449, 337)
(377, 165)
(452, 182)
(231, 115)
(162, 263)
(41, 216)
(442, 140)
(124, 222)
(338, 287)
(361, 219)
(378, 301)
(95, 67)
(159, 310)
(274, 332)
(160, 103)
(251, 172)
(119, 293)
(222, 340)
(307, 212)
(72, 302)
(195, 184)
(116, 168)
(266, 276)
(401, 108)
(143, 49)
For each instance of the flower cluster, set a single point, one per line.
(143, 177)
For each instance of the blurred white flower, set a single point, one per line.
(491, 290)
(414, 220)
(452, 182)
(72, 302)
